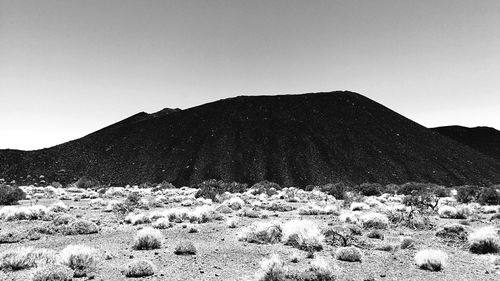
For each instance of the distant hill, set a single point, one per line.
(289, 139)
(483, 139)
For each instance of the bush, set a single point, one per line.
(351, 254)
(26, 257)
(80, 258)
(185, 248)
(359, 206)
(10, 195)
(265, 187)
(468, 193)
(447, 212)
(433, 260)
(58, 207)
(410, 188)
(407, 243)
(489, 196)
(11, 236)
(375, 234)
(454, 232)
(386, 247)
(80, 226)
(370, 189)
(86, 182)
(232, 223)
(262, 233)
(484, 241)
(337, 190)
(162, 223)
(53, 273)
(273, 269)
(212, 189)
(374, 220)
(162, 186)
(303, 235)
(442, 191)
(148, 238)
(139, 268)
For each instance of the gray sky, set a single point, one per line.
(68, 68)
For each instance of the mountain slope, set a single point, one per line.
(483, 139)
(290, 139)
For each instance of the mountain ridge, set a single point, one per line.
(296, 140)
(483, 139)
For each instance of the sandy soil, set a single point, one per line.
(220, 256)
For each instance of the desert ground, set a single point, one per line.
(169, 234)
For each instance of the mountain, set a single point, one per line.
(289, 139)
(483, 139)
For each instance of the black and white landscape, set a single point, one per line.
(275, 140)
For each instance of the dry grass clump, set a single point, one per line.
(351, 254)
(262, 233)
(374, 220)
(26, 257)
(375, 234)
(232, 222)
(53, 273)
(11, 236)
(148, 238)
(80, 226)
(433, 260)
(447, 212)
(249, 213)
(349, 217)
(63, 219)
(274, 269)
(455, 232)
(135, 219)
(235, 203)
(58, 207)
(81, 259)
(185, 248)
(484, 241)
(313, 210)
(97, 203)
(162, 223)
(224, 209)
(303, 234)
(139, 268)
(359, 206)
(407, 243)
(36, 212)
(386, 247)
(202, 214)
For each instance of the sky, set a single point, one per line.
(68, 68)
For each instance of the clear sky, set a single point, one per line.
(68, 68)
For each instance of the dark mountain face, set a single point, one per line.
(290, 139)
(483, 139)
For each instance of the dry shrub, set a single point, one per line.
(139, 268)
(374, 220)
(26, 257)
(433, 260)
(80, 226)
(162, 223)
(484, 241)
(147, 239)
(185, 248)
(53, 273)
(350, 254)
(274, 269)
(262, 233)
(81, 259)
